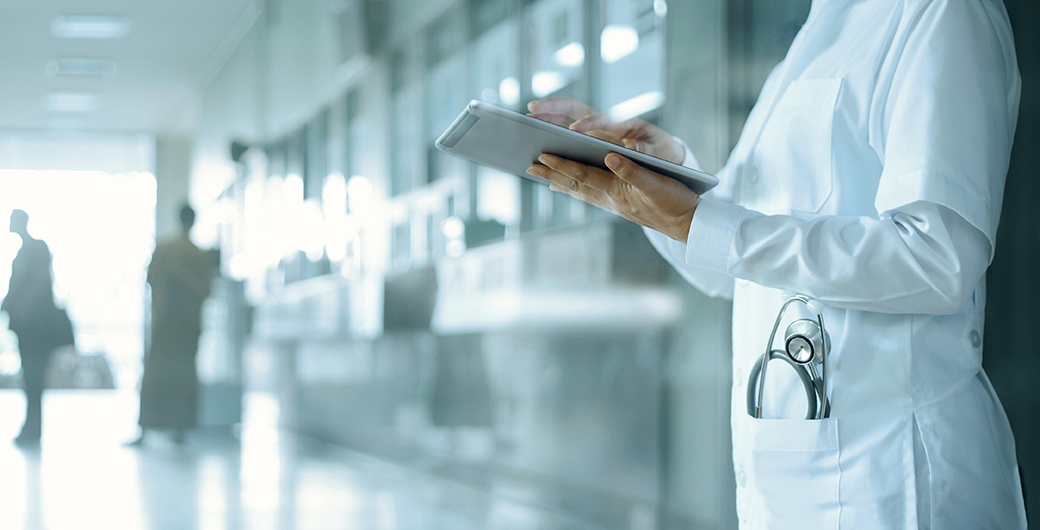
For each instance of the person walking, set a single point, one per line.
(180, 276)
(33, 317)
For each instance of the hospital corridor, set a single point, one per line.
(519, 264)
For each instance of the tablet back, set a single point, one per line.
(511, 142)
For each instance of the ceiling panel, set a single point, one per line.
(155, 85)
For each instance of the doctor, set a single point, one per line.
(869, 176)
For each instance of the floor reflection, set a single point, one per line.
(82, 476)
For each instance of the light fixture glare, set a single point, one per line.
(90, 27)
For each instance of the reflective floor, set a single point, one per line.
(82, 476)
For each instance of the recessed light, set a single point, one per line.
(90, 27)
(71, 102)
(79, 66)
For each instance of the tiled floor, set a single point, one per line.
(83, 477)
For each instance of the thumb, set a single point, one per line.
(626, 170)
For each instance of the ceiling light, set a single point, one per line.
(71, 102)
(75, 66)
(90, 27)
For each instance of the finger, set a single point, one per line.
(540, 172)
(606, 135)
(624, 132)
(632, 173)
(562, 183)
(593, 121)
(574, 108)
(593, 177)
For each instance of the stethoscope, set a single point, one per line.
(806, 346)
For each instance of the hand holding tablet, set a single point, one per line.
(512, 142)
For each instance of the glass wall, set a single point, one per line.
(506, 52)
(631, 48)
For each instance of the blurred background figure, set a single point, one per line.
(39, 324)
(180, 277)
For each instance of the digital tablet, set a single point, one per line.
(510, 141)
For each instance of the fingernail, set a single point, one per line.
(530, 171)
(613, 161)
(554, 187)
(543, 159)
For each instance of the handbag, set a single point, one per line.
(61, 326)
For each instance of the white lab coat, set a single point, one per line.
(870, 176)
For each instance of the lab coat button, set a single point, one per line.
(741, 478)
(975, 337)
(738, 377)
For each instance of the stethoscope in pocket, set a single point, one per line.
(806, 346)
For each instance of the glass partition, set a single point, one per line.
(631, 49)
(406, 138)
(556, 48)
(495, 67)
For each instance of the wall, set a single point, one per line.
(173, 157)
(1012, 357)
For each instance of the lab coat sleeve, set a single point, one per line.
(944, 128)
(711, 283)
(920, 258)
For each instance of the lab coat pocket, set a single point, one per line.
(793, 153)
(795, 471)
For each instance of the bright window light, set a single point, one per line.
(334, 207)
(359, 194)
(618, 41)
(292, 191)
(292, 213)
(545, 83)
(311, 239)
(571, 55)
(100, 228)
(509, 91)
(636, 106)
(334, 194)
(90, 27)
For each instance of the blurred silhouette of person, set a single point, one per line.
(30, 307)
(180, 277)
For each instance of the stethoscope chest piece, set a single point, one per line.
(804, 341)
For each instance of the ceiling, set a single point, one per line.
(148, 81)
